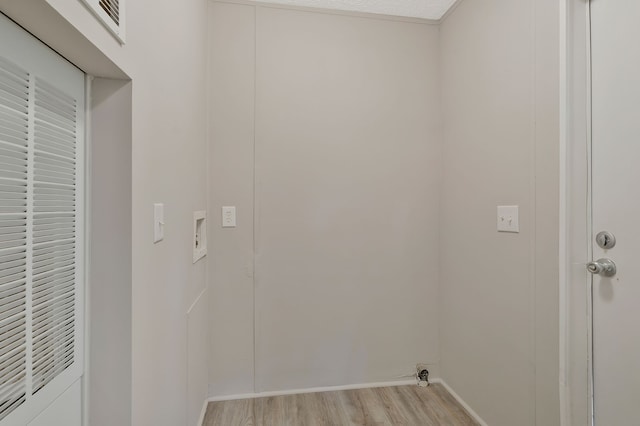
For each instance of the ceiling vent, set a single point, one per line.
(111, 14)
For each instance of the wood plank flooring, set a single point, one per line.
(401, 405)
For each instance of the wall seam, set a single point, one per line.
(533, 209)
(209, 201)
(440, 199)
(255, 96)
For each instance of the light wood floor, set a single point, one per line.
(402, 405)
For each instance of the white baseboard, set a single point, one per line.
(312, 390)
(461, 401)
(203, 413)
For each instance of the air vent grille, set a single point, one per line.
(14, 139)
(54, 249)
(111, 13)
(42, 104)
(38, 241)
(112, 8)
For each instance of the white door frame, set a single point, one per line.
(576, 369)
(87, 250)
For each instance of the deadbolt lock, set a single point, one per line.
(606, 240)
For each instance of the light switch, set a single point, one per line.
(158, 222)
(508, 219)
(229, 217)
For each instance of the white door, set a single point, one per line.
(41, 232)
(616, 209)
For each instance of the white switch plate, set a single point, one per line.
(229, 217)
(508, 219)
(158, 222)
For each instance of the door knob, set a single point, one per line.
(603, 267)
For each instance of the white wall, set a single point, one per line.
(197, 358)
(346, 143)
(498, 310)
(499, 292)
(109, 302)
(347, 186)
(169, 166)
(165, 57)
(231, 146)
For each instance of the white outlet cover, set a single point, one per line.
(508, 219)
(229, 217)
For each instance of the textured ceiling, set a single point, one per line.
(428, 9)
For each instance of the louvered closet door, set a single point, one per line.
(41, 225)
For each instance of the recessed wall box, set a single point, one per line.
(199, 235)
